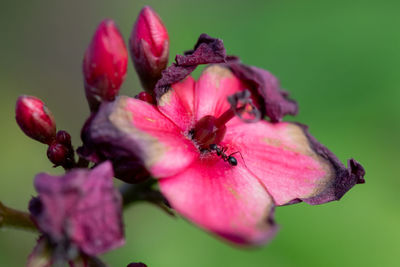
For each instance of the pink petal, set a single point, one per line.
(177, 103)
(225, 200)
(292, 168)
(214, 86)
(130, 128)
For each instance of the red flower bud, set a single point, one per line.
(146, 97)
(149, 46)
(104, 64)
(61, 152)
(35, 119)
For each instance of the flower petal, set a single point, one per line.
(214, 86)
(291, 164)
(276, 103)
(207, 50)
(223, 199)
(136, 134)
(177, 103)
(82, 206)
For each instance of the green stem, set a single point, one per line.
(132, 193)
(14, 218)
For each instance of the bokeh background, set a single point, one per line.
(339, 59)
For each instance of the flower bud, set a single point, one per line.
(149, 46)
(35, 119)
(146, 97)
(61, 152)
(104, 64)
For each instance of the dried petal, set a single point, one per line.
(207, 50)
(274, 101)
(81, 207)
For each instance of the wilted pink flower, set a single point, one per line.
(189, 138)
(79, 211)
(149, 46)
(104, 64)
(35, 119)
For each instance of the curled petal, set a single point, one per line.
(276, 103)
(134, 134)
(224, 200)
(291, 164)
(207, 50)
(81, 207)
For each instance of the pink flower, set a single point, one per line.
(79, 211)
(189, 138)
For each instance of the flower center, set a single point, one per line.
(211, 130)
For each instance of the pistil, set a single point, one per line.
(211, 130)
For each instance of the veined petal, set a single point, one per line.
(225, 200)
(291, 164)
(177, 103)
(212, 89)
(131, 130)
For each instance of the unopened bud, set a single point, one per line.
(35, 119)
(61, 152)
(149, 46)
(104, 64)
(146, 97)
(63, 137)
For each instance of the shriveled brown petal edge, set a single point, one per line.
(275, 102)
(207, 50)
(345, 178)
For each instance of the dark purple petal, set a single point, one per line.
(103, 141)
(274, 101)
(207, 50)
(345, 179)
(82, 207)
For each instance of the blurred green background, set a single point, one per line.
(339, 59)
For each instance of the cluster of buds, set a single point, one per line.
(105, 61)
(68, 198)
(37, 122)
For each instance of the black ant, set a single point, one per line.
(221, 152)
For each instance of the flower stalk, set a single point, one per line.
(14, 218)
(132, 193)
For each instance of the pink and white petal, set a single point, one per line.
(212, 89)
(224, 200)
(177, 103)
(291, 164)
(130, 128)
